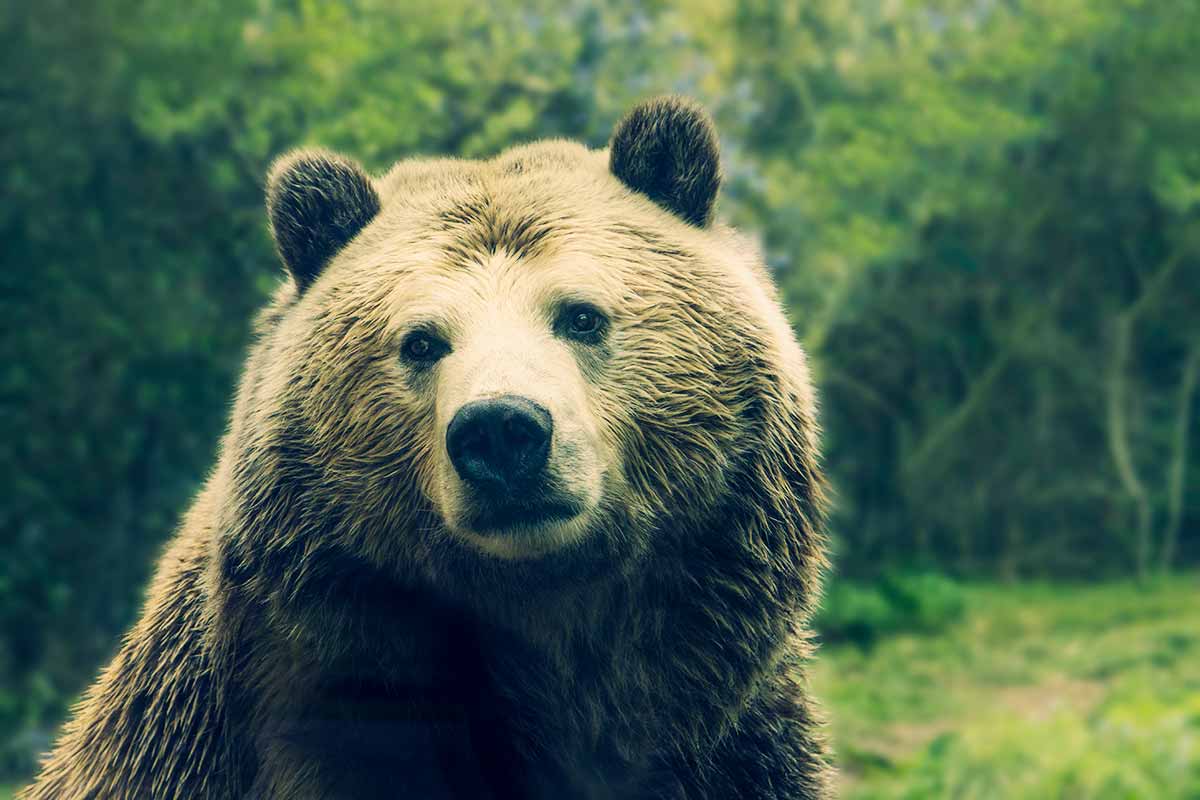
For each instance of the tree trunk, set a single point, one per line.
(1177, 477)
(1118, 442)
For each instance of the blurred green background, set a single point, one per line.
(985, 219)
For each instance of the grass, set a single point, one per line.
(1040, 691)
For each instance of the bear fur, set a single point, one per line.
(325, 625)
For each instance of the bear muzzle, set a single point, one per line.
(500, 450)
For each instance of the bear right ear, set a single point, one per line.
(317, 202)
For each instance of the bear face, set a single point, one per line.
(533, 370)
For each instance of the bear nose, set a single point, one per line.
(499, 443)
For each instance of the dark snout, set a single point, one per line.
(500, 444)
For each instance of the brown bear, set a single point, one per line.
(519, 499)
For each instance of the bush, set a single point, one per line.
(861, 613)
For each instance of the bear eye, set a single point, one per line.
(582, 321)
(422, 348)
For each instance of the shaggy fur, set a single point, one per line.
(320, 629)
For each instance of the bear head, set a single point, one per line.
(520, 375)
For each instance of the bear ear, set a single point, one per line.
(666, 148)
(317, 202)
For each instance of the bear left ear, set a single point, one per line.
(317, 202)
(666, 148)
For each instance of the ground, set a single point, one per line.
(1041, 691)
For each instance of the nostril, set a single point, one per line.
(476, 444)
(518, 432)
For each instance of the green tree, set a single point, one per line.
(983, 216)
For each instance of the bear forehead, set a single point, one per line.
(531, 201)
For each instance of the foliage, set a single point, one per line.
(1046, 690)
(862, 612)
(984, 218)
